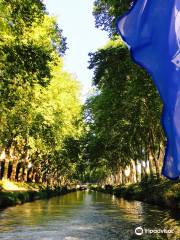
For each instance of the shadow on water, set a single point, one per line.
(86, 215)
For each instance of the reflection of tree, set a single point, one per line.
(156, 218)
(150, 217)
(41, 211)
(89, 214)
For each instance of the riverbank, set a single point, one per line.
(18, 193)
(86, 215)
(164, 193)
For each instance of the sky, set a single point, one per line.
(77, 22)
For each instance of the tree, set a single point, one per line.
(106, 13)
(40, 106)
(124, 113)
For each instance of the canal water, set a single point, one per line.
(88, 216)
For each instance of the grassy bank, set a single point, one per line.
(164, 193)
(18, 193)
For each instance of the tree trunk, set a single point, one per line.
(6, 163)
(20, 171)
(30, 175)
(1, 169)
(161, 156)
(25, 172)
(150, 158)
(123, 177)
(34, 176)
(142, 171)
(14, 168)
(137, 173)
(6, 166)
(133, 169)
(120, 176)
(156, 163)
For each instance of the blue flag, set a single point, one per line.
(151, 29)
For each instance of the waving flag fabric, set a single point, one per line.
(152, 31)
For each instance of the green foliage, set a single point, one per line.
(166, 193)
(106, 13)
(124, 113)
(39, 107)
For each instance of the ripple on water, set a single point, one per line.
(85, 216)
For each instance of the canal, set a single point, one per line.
(88, 215)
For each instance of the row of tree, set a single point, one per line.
(42, 135)
(39, 102)
(124, 139)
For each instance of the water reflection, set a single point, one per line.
(85, 215)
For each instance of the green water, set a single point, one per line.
(86, 215)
